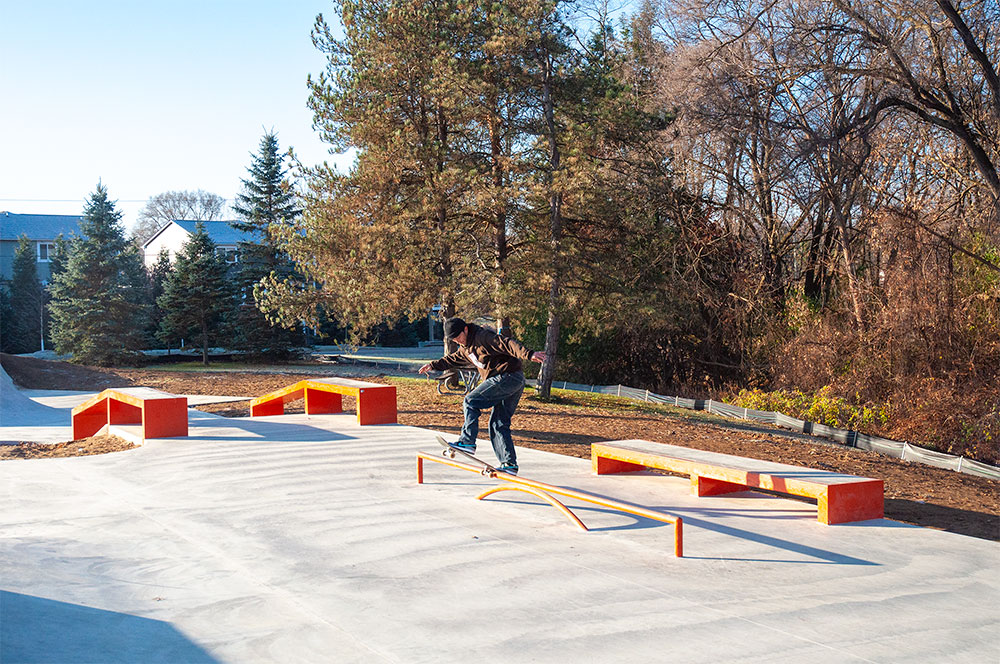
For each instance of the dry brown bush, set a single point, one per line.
(930, 346)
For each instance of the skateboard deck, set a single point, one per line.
(452, 452)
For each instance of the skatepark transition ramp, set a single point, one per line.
(18, 410)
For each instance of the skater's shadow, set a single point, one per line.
(809, 554)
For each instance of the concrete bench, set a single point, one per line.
(376, 404)
(841, 498)
(158, 414)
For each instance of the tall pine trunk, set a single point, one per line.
(445, 269)
(500, 219)
(204, 341)
(555, 246)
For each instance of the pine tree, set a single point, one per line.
(197, 293)
(620, 209)
(57, 265)
(98, 306)
(399, 233)
(268, 208)
(25, 300)
(497, 54)
(6, 316)
(58, 258)
(267, 198)
(156, 277)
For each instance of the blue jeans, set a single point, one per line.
(501, 393)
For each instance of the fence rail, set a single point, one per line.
(849, 438)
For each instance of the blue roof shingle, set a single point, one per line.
(220, 231)
(38, 226)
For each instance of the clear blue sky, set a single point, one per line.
(149, 96)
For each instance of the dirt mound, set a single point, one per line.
(34, 374)
(102, 444)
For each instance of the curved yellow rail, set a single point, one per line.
(549, 489)
(538, 494)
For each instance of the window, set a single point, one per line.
(46, 250)
(229, 253)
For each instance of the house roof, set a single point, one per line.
(38, 226)
(220, 231)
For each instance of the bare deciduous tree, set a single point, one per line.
(939, 62)
(163, 208)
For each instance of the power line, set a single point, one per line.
(76, 200)
(62, 200)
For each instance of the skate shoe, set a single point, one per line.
(469, 448)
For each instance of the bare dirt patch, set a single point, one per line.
(914, 493)
(74, 448)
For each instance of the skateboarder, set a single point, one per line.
(499, 361)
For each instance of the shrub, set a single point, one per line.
(821, 406)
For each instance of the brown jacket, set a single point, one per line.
(489, 352)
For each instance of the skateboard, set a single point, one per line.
(452, 452)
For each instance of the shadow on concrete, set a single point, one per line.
(34, 629)
(821, 556)
(940, 517)
(642, 523)
(542, 438)
(258, 431)
(636, 522)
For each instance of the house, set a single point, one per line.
(40, 229)
(174, 236)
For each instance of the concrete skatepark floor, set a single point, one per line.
(307, 539)
(915, 494)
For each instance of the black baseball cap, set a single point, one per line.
(453, 327)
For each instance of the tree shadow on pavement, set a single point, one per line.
(940, 517)
(34, 629)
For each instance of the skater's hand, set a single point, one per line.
(426, 369)
(538, 356)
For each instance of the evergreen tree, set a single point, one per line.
(548, 79)
(57, 265)
(267, 198)
(58, 258)
(25, 300)
(267, 209)
(402, 231)
(6, 317)
(197, 293)
(157, 276)
(99, 299)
